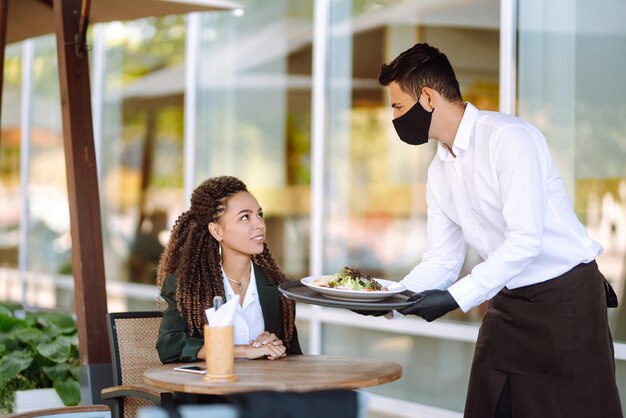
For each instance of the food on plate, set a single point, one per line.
(350, 279)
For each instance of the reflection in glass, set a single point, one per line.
(572, 61)
(49, 244)
(580, 105)
(434, 371)
(254, 115)
(10, 136)
(142, 130)
(375, 195)
(375, 209)
(34, 220)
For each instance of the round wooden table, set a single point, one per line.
(292, 373)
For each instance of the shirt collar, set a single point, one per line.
(252, 290)
(463, 134)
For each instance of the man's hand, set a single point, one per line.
(430, 304)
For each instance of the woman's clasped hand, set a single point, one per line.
(266, 345)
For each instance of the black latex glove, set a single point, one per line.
(370, 313)
(430, 304)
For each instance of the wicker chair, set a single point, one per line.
(82, 411)
(132, 337)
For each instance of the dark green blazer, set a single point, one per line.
(174, 343)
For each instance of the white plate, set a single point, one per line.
(356, 295)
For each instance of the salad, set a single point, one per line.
(350, 279)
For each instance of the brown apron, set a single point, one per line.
(552, 341)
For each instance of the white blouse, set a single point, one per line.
(249, 321)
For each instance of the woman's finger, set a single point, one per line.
(275, 351)
(258, 341)
(269, 338)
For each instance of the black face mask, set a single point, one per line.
(413, 126)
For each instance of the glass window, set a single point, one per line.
(375, 209)
(435, 372)
(141, 156)
(10, 181)
(34, 185)
(572, 61)
(254, 115)
(375, 191)
(10, 137)
(49, 243)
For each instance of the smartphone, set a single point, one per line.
(191, 369)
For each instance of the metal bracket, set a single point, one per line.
(80, 38)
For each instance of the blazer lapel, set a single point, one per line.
(270, 303)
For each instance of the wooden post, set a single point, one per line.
(84, 201)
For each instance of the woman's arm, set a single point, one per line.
(271, 351)
(173, 342)
(265, 344)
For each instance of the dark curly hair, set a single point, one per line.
(192, 255)
(422, 66)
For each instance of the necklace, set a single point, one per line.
(238, 283)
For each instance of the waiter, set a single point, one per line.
(544, 348)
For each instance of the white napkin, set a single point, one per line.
(225, 315)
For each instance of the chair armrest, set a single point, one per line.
(151, 393)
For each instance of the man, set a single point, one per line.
(544, 348)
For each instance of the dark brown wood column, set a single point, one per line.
(84, 201)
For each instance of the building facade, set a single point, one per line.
(284, 95)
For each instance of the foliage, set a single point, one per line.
(37, 350)
(148, 45)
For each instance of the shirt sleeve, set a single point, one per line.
(173, 343)
(445, 246)
(520, 158)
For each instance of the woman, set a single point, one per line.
(217, 248)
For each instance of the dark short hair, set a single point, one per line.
(422, 66)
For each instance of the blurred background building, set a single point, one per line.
(284, 95)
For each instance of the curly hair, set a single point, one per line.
(192, 255)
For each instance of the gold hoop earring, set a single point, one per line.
(219, 248)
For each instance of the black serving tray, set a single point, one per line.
(300, 293)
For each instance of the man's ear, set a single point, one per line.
(428, 99)
(215, 230)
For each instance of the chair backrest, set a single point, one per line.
(81, 411)
(133, 338)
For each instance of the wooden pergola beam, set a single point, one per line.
(84, 201)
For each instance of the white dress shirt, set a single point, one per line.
(249, 321)
(503, 196)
